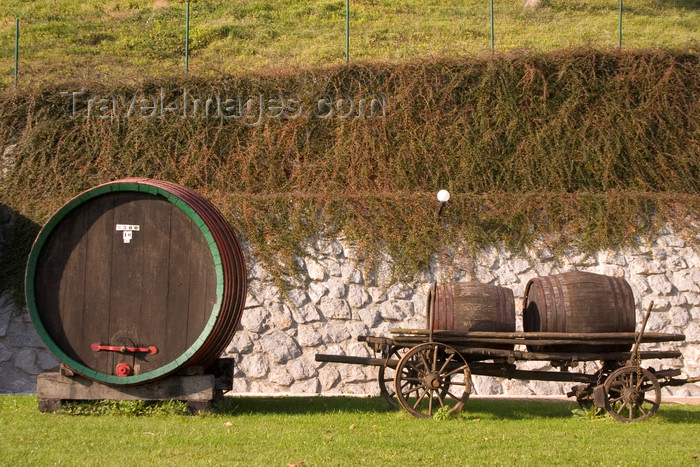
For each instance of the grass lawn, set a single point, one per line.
(71, 39)
(339, 431)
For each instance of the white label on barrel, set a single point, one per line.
(128, 231)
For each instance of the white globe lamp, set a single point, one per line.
(443, 196)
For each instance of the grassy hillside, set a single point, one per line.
(72, 39)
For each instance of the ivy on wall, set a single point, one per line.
(580, 148)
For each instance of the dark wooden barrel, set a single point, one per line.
(136, 279)
(578, 302)
(471, 306)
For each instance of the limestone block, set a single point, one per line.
(328, 376)
(660, 284)
(298, 297)
(639, 285)
(254, 366)
(357, 328)
(677, 263)
(316, 291)
(280, 346)
(25, 360)
(692, 333)
(281, 316)
(685, 281)
(489, 258)
(351, 274)
(400, 291)
(46, 361)
(486, 385)
(505, 276)
(335, 333)
(279, 375)
(520, 266)
(259, 272)
(516, 387)
(315, 270)
(377, 294)
(21, 334)
(678, 299)
(240, 344)
(546, 388)
(484, 276)
(352, 374)
(657, 322)
(15, 382)
(255, 320)
(679, 316)
(310, 386)
(644, 267)
(336, 288)
(359, 349)
(671, 241)
(335, 308)
(266, 292)
(332, 266)
(396, 311)
(357, 296)
(581, 260)
(307, 314)
(5, 355)
(370, 316)
(301, 369)
(240, 384)
(308, 337)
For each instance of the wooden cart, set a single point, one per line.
(426, 370)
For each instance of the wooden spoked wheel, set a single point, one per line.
(385, 377)
(432, 376)
(633, 394)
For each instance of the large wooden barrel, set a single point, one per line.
(136, 279)
(579, 302)
(471, 306)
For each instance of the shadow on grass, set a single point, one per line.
(484, 409)
(297, 405)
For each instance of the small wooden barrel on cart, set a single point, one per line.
(135, 279)
(471, 306)
(579, 302)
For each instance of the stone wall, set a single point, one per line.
(334, 302)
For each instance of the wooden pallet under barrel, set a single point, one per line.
(197, 386)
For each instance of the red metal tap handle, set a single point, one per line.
(152, 350)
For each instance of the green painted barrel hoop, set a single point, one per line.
(46, 232)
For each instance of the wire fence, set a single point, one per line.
(348, 12)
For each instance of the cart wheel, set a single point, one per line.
(385, 377)
(633, 394)
(431, 376)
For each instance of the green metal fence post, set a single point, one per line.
(347, 31)
(492, 33)
(16, 49)
(187, 38)
(619, 34)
